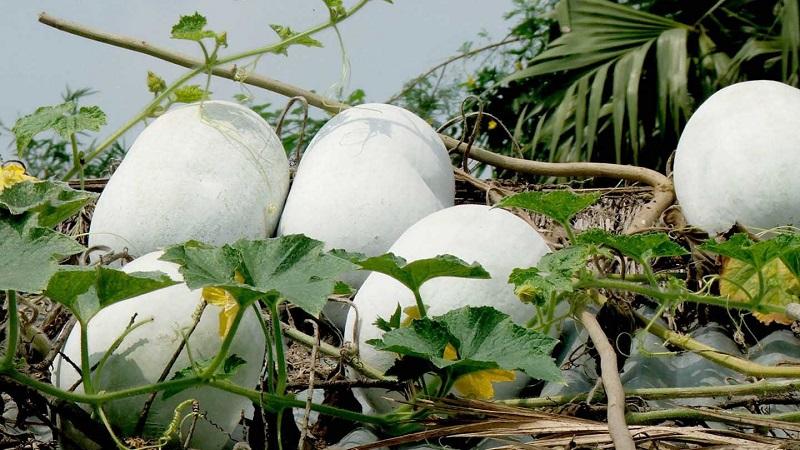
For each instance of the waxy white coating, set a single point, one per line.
(216, 174)
(495, 238)
(371, 172)
(146, 351)
(738, 158)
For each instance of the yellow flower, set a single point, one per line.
(478, 384)
(470, 81)
(492, 124)
(12, 174)
(412, 314)
(222, 298)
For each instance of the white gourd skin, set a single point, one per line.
(495, 238)
(738, 156)
(216, 176)
(368, 174)
(382, 129)
(145, 352)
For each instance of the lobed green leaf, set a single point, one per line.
(65, 119)
(87, 290)
(561, 206)
(641, 247)
(29, 258)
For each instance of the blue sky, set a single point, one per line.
(385, 44)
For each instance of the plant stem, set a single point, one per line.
(617, 427)
(197, 69)
(280, 356)
(740, 365)
(12, 330)
(570, 234)
(420, 305)
(76, 158)
(272, 402)
(115, 345)
(760, 388)
(783, 421)
(225, 347)
(86, 368)
(666, 295)
(336, 352)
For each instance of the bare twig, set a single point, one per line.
(617, 426)
(145, 411)
(410, 85)
(301, 444)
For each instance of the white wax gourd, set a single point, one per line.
(214, 174)
(738, 156)
(495, 238)
(369, 173)
(144, 353)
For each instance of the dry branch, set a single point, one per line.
(617, 426)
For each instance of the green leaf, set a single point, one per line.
(641, 247)
(757, 254)
(30, 258)
(292, 267)
(192, 28)
(392, 323)
(87, 290)
(342, 288)
(413, 275)
(425, 338)
(44, 203)
(190, 93)
(286, 33)
(155, 83)
(561, 206)
(553, 275)
(229, 368)
(595, 102)
(336, 9)
(65, 119)
(483, 337)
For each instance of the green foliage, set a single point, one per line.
(757, 254)
(192, 28)
(87, 290)
(65, 119)
(414, 274)
(228, 369)
(560, 205)
(393, 322)
(190, 93)
(483, 338)
(286, 33)
(42, 203)
(155, 83)
(28, 258)
(294, 268)
(50, 157)
(552, 277)
(642, 247)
